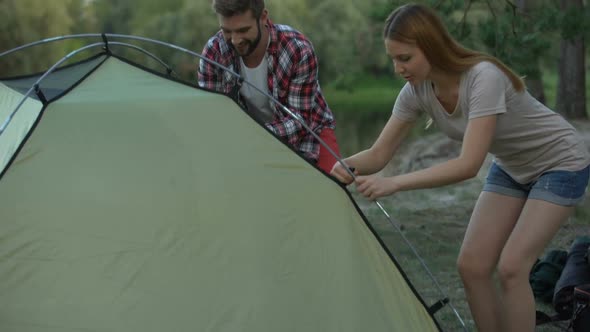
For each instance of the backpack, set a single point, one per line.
(581, 315)
(572, 290)
(575, 273)
(579, 321)
(546, 273)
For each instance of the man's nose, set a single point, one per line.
(236, 39)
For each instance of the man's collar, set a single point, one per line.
(273, 45)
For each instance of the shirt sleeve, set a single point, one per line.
(406, 105)
(208, 75)
(301, 100)
(487, 91)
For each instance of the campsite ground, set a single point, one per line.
(434, 222)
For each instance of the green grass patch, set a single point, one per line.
(363, 94)
(550, 88)
(435, 230)
(368, 93)
(434, 222)
(361, 108)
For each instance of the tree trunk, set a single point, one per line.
(534, 84)
(571, 89)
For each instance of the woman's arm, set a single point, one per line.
(476, 143)
(375, 158)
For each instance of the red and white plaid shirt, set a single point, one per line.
(292, 80)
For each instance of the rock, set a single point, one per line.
(422, 153)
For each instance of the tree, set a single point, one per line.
(571, 92)
(374, 59)
(534, 83)
(188, 26)
(114, 16)
(26, 21)
(516, 33)
(335, 29)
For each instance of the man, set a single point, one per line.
(278, 60)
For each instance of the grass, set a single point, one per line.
(434, 222)
(362, 109)
(377, 94)
(367, 94)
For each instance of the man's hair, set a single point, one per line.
(229, 8)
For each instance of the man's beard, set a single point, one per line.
(251, 44)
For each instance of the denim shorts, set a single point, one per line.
(559, 187)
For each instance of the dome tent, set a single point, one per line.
(135, 202)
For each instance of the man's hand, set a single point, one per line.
(339, 172)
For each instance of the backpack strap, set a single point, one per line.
(543, 318)
(581, 303)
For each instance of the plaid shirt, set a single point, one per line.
(292, 80)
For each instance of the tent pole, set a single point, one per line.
(35, 87)
(36, 84)
(281, 106)
(48, 40)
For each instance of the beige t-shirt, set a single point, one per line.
(530, 138)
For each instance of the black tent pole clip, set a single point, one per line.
(106, 43)
(239, 81)
(40, 94)
(438, 305)
(235, 91)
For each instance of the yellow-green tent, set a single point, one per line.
(133, 202)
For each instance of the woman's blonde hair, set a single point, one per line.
(420, 25)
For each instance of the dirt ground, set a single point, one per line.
(435, 220)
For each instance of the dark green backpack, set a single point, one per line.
(546, 273)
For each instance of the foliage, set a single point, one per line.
(190, 27)
(376, 95)
(114, 16)
(573, 22)
(518, 38)
(378, 63)
(347, 35)
(20, 24)
(338, 33)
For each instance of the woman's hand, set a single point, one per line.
(339, 172)
(373, 187)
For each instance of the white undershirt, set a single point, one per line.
(256, 101)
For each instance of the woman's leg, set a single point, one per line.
(538, 223)
(492, 221)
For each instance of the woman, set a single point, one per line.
(540, 169)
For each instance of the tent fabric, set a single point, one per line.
(138, 203)
(21, 123)
(58, 81)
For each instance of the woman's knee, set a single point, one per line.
(472, 266)
(513, 270)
